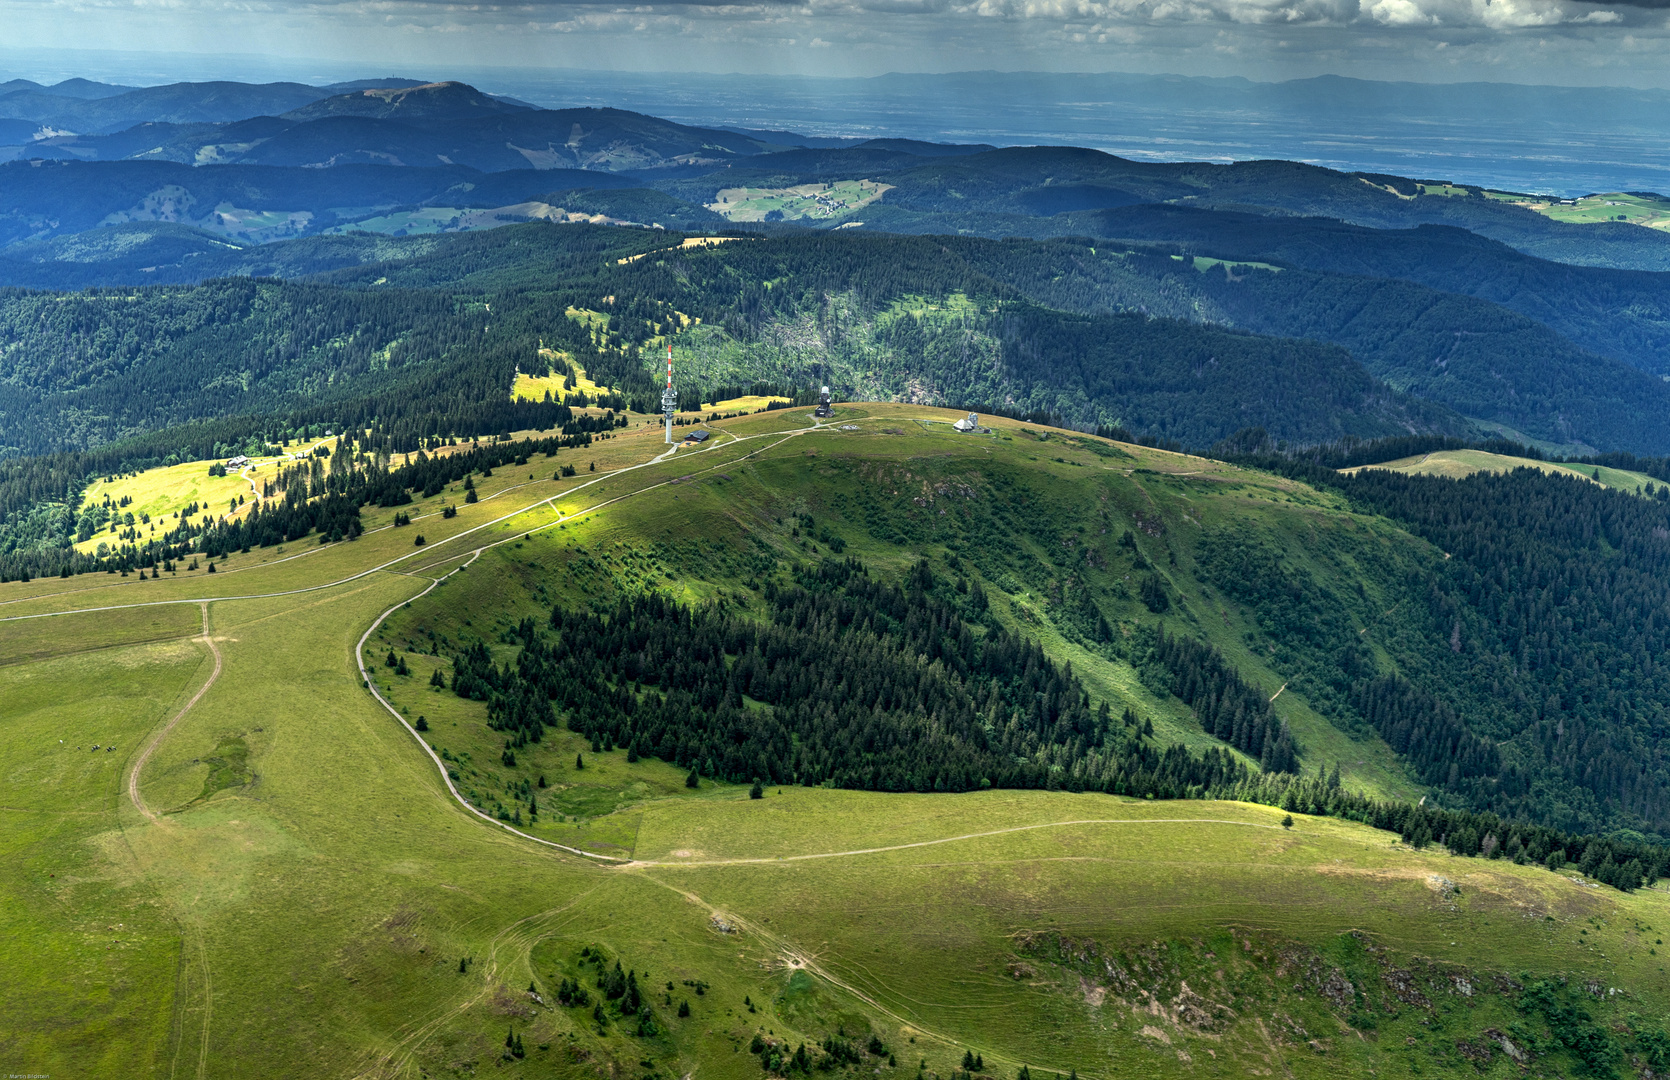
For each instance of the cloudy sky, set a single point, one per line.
(1569, 42)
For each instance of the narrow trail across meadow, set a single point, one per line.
(943, 840)
(134, 796)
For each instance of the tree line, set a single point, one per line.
(848, 681)
(1533, 652)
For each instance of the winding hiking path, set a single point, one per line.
(191, 933)
(137, 799)
(144, 756)
(446, 778)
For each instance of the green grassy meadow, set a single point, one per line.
(1652, 211)
(803, 202)
(309, 899)
(1458, 463)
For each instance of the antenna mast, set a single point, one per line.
(669, 400)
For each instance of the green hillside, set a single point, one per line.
(1146, 334)
(263, 870)
(447, 328)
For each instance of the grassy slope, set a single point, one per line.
(313, 919)
(168, 490)
(1653, 211)
(1458, 463)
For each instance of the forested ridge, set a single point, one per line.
(1088, 336)
(1561, 594)
(1531, 678)
(1623, 314)
(1480, 358)
(96, 367)
(864, 684)
(849, 681)
(869, 316)
(430, 345)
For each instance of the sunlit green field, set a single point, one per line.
(1653, 211)
(1458, 463)
(168, 490)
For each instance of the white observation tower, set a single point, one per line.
(669, 399)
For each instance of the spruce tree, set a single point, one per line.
(422, 724)
(693, 780)
(756, 792)
(579, 761)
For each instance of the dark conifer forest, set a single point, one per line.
(848, 681)
(852, 682)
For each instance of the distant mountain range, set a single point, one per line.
(82, 107)
(1478, 302)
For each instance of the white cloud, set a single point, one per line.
(1397, 13)
(1389, 15)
